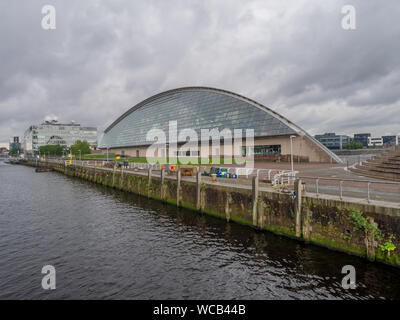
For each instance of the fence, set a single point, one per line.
(354, 188)
(365, 189)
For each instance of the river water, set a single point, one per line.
(106, 244)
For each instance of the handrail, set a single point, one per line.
(317, 179)
(353, 180)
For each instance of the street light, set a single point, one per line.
(107, 154)
(291, 150)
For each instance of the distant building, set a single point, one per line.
(363, 138)
(15, 146)
(333, 141)
(54, 133)
(375, 142)
(390, 141)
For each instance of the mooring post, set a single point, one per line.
(162, 176)
(178, 187)
(228, 206)
(198, 196)
(370, 241)
(149, 173)
(162, 189)
(121, 178)
(113, 179)
(297, 206)
(255, 199)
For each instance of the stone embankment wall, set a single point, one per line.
(358, 228)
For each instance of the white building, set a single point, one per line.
(375, 142)
(54, 133)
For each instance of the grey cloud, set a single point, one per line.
(104, 57)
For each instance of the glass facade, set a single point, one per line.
(390, 140)
(195, 109)
(199, 108)
(363, 138)
(263, 151)
(333, 141)
(58, 134)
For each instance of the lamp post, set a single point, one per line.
(107, 154)
(291, 151)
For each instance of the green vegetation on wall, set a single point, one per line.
(363, 223)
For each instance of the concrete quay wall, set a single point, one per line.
(366, 230)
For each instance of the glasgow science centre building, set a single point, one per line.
(200, 108)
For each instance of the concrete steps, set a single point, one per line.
(385, 166)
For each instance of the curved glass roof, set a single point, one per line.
(197, 108)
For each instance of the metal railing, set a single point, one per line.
(360, 188)
(284, 178)
(363, 187)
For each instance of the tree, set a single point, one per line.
(354, 145)
(14, 149)
(52, 150)
(80, 148)
(13, 152)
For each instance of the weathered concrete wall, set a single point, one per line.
(360, 229)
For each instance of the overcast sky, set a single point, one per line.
(293, 56)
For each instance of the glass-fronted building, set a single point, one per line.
(54, 133)
(390, 141)
(333, 141)
(202, 108)
(363, 138)
(15, 146)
